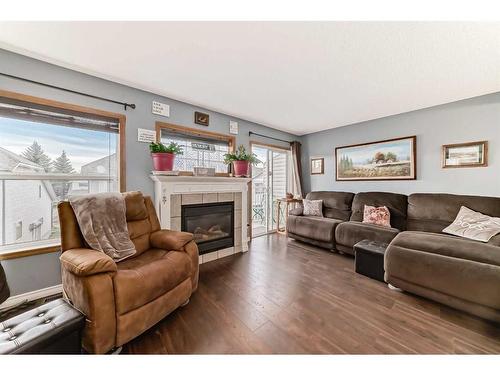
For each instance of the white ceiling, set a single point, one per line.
(300, 77)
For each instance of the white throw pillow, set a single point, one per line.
(313, 208)
(474, 225)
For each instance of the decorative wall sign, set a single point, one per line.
(393, 159)
(161, 109)
(202, 146)
(201, 118)
(461, 155)
(317, 166)
(233, 127)
(146, 135)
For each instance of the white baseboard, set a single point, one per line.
(30, 296)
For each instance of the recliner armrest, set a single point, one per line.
(86, 262)
(170, 239)
(299, 211)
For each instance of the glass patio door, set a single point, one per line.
(269, 183)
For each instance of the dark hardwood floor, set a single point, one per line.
(286, 297)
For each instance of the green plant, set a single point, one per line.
(171, 148)
(240, 155)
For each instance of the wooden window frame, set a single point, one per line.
(185, 130)
(44, 249)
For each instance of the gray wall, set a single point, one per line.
(473, 119)
(41, 271)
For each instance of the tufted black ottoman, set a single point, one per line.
(370, 259)
(53, 328)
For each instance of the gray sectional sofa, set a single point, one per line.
(420, 259)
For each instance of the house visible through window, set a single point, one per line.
(48, 154)
(19, 229)
(198, 150)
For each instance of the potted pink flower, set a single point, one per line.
(164, 156)
(241, 161)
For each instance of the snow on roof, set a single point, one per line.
(10, 160)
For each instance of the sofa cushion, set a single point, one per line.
(141, 279)
(135, 206)
(312, 208)
(434, 212)
(474, 225)
(377, 215)
(350, 233)
(317, 228)
(396, 203)
(458, 268)
(450, 246)
(336, 204)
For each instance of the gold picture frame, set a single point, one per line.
(465, 155)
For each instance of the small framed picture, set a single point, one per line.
(462, 155)
(201, 118)
(317, 165)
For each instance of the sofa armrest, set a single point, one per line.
(170, 239)
(86, 262)
(299, 211)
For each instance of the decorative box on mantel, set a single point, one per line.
(213, 208)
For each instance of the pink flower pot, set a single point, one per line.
(241, 168)
(163, 161)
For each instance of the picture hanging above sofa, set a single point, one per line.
(392, 159)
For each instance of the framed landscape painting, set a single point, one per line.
(460, 155)
(393, 159)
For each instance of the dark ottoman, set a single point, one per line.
(53, 328)
(370, 258)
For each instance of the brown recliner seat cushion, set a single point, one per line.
(349, 233)
(461, 268)
(141, 279)
(396, 203)
(316, 228)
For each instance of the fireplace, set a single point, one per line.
(212, 225)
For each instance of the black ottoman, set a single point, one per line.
(53, 328)
(370, 258)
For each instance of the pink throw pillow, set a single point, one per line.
(377, 215)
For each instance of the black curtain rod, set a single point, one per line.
(125, 105)
(266, 136)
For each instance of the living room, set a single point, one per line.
(250, 187)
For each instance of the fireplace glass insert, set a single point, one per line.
(212, 225)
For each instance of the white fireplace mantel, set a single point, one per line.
(166, 186)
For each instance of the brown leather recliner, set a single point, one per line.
(122, 300)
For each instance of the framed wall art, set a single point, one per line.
(392, 159)
(461, 155)
(317, 165)
(201, 118)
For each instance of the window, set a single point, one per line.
(50, 151)
(200, 148)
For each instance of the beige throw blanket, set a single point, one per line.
(103, 223)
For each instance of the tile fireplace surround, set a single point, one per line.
(171, 192)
